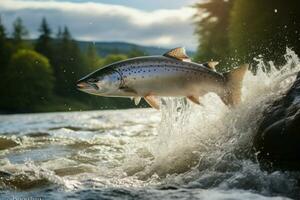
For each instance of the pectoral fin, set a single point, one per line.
(152, 101)
(194, 99)
(137, 100)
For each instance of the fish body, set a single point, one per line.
(172, 74)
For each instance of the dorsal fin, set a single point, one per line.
(177, 53)
(211, 65)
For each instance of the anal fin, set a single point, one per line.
(152, 101)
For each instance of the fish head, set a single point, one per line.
(103, 82)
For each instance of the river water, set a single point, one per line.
(184, 151)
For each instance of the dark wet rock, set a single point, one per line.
(277, 142)
(168, 187)
(38, 134)
(4, 174)
(73, 170)
(75, 128)
(22, 181)
(6, 143)
(25, 182)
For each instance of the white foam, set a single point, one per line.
(190, 135)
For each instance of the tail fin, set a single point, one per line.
(234, 80)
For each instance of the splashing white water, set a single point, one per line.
(199, 137)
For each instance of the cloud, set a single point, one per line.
(106, 22)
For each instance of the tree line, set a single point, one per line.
(237, 31)
(40, 75)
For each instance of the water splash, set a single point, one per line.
(197, 143)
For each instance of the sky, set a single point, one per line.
(162, 23)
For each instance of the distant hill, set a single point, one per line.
(105, 48)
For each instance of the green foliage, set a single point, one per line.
(2, 46)
(2, 31)
(236, 31)
(135, 52)
(19, 34)
(44, 44)
(263, 28)
(5, 49)
(29, 80)
(113, 58)
(93, 60)
(68, 64)
(211, 28)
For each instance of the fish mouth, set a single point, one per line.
(86, 87)
(81, 85)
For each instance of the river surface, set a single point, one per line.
(184, 151)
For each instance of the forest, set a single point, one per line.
(238, 31)
(39, 75)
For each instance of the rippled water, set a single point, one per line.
(184, 151)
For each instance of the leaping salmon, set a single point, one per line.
(171, 75)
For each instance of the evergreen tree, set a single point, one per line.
(19, 33)
(259, 27)
(3, 60)
(3, 45)
(6, 50)
(69, 64)
(92, 59)
(211, 29)
(59, 33)
(2, 31)
(44, 44)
